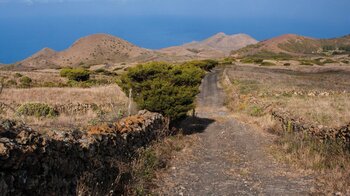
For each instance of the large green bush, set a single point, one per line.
(76, 74)
(37, 110)
(164, 88)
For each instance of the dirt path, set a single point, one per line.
(230, 159)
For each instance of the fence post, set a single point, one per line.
(130, 102)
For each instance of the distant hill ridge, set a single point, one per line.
(107, 49)
(219, 45)
(93, 49)
(292, 44)
(104, 48)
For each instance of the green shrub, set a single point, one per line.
(17, 75)
(328, 48)
(53, 84)
(87, 84)
(252, 60)
(328, 61)
(104, 72)
(266, 63)
(25, 81)
(164, 88)
(345, 48)
(256, 111)
(227, 61)
(37, 110)
(306, 62)
(76, 74)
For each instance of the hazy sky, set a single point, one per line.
(29, 25)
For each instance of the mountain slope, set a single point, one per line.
(291, 44)
(42, 58)
(93, 49)
(218, 45)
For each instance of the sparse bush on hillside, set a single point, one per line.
(104, 72)
(76, 74)
(328, 48)
(252, 60)
(345, 48)
(17, 75)
(88, 83)
(37, 110)
(264, 54)
(164, 88)
(227, 61)
(256, 111)
(25, 81)
(328, 61)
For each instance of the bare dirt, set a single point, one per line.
(230, 158)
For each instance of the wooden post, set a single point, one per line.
(130, 102)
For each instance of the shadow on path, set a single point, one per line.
(192, 125)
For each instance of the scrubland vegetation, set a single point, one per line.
(316, 96)
(307, 89)
(79, 97)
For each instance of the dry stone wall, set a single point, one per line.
(96, 162)
(323, 133)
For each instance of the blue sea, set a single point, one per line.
(21, 37)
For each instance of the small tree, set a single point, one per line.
(164, 88)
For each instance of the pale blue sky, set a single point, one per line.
(29, 25)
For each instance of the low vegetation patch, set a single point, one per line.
(264, 54)
(37, 110)
(75, 74)
(25, 82)
(227, 61)
(267, 63)
(252, 60)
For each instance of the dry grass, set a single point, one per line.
(50, 78)
(153, 160)
(317, 95)
(37, 76)
(97, 95)
(330, 160)
(110, 96)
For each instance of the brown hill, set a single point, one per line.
(41, 58)
(93, 49)
(294, 45)
(218, 45)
